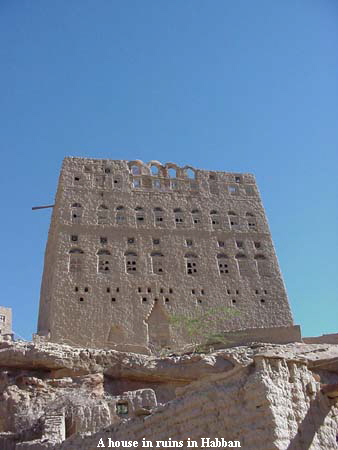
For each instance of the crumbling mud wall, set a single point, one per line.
(264, 396)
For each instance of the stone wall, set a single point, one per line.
(323, 339)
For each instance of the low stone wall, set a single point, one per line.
(273, 335)
(323, 339)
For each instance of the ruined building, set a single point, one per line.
(132, 244)
(5, 323)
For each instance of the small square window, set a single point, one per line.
(221, 243)
(131, 240)
(239, 244)
(103, 240)
(202, 292)
(107, 170)
(188, 242)
(156, 241)
(136, 183)
(108, 290)
(144, 299)
(170, 291)
(161, 291)
(113, 299)
(238, 179)
(193, 291)
(149, 290)
(74, 238)
(86, 289)
(2, 318)
(257, 244)
(139, 289)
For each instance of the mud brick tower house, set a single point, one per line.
(130, 244)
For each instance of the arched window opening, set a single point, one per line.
(190, 173)
(139, 214)
(103, 261)
(75, 260)
(131, 262)
(233, 220)
(120, 215)
(263, 266)
(244, 265)
(154, 170)
(76, 212)
(158, 216)
(172, 173)
(223, 265)
(157, 263)
(191, 263)
(102, 214)
(215, 218)
(179, 216)
(196, 216)
(135, 170)
(252, 224)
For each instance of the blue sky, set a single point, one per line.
(224, 85)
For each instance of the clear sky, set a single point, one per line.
(243, 86)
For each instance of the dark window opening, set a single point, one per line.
(86, 289)
(121, 409)
(103, 240)
(170, 291)
(76, 289)
(113, 299)
(144, 299)
(81, 299)
(74, 238)
(108, 290)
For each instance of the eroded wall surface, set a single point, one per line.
(131, 245)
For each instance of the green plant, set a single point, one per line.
(200, 328)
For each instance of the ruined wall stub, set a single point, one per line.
(5, 320)
(130, 242)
